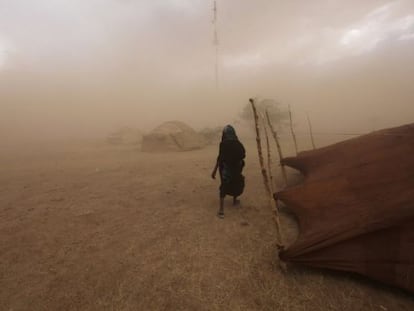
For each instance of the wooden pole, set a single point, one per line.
(310, 131)
(279, 148)
(269, 158)
(259, 146)
(272, 202)
(291, 129)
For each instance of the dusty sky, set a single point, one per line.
(73, 68)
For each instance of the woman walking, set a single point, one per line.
(230, 163)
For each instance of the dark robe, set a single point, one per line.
(231, 163)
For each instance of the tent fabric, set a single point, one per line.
(355, 207)
(172, 136)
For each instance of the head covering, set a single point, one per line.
(229, 133)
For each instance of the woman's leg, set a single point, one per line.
(221, 209)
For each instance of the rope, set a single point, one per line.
(349, 134)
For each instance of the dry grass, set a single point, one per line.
(104, 228)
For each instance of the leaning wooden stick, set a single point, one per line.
(269, 158)
(291, 129)
(259, 146)
(310, 131)
(272, 202)
(279, 148)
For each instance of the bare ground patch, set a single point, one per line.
(103, 228)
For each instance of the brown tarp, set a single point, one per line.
(356, 206)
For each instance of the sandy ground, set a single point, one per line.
(88, 226)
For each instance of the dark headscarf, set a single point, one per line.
(229, 133)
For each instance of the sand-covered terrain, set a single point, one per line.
(90, 226)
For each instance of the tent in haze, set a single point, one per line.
(172, 136)
(125, 136)
(356, 207)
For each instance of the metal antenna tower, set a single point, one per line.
(216, 44)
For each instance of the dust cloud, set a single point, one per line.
(80, 69)
(96, 215)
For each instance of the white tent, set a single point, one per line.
(172, 136)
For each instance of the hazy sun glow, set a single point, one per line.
(377, 26)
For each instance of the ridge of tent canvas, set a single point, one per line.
(356, 206)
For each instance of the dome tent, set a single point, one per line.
(172, 136)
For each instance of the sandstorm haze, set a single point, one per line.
(77, 69)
